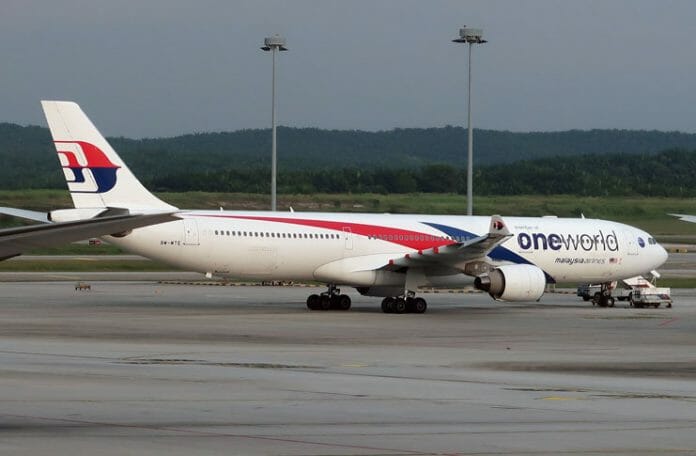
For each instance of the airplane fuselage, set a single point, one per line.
(295, 246)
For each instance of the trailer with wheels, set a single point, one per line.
(650, 297)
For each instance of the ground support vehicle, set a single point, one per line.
(650, 297)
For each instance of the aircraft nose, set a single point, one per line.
(661, 256)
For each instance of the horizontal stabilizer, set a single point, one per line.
(25, 214)
(15, 241)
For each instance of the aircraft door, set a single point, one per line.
(190, 232)
(348, 235)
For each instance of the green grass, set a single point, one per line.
(677, 282)
(79, 249)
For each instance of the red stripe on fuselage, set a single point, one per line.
(407, 238)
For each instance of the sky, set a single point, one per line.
(151, 68)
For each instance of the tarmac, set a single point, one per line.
(134, 367)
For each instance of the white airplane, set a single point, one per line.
(385, 255)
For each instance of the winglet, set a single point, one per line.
(498, 226)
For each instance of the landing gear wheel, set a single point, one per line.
(313, 302)
(419, 306)
(325, 302)
(400, 306)
(388, 305)
(606, 301)
(343, 302)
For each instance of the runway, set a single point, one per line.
(145, 368)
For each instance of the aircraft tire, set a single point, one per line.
(388, 305)
(419, 306)
(343, 302)
(597, 299)
(313, 302)
(325, 302)
(400, 306)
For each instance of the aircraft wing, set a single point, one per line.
(15, 241)
(685, 218)
(457, 254)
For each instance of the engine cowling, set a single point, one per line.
(513, 282)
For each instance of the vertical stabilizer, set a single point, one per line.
(96, 175)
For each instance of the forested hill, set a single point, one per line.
(29, 158)
(668, 173)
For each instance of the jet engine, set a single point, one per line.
(513, 282)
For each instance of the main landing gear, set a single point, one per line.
(404, 305)
(332, 299)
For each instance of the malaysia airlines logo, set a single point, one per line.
(87, 169)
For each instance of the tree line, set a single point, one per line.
(29, 161)
(669, 173)
(591, 162)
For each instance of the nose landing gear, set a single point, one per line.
(603, 298)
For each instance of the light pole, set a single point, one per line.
(274, 43)
(471, 36)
